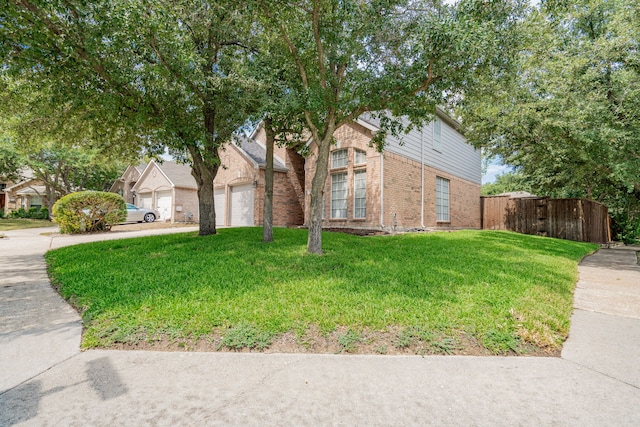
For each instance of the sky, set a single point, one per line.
(494, 169)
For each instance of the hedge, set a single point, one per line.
(89, 211)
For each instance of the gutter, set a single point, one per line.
(422, 177)
(382, 190)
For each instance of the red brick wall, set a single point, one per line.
(350, 137)
(402, 189)
(288, 189)
(402, 196)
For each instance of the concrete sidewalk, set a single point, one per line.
(596, 382)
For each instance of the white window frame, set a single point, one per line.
(337, 155)
(360, 193)
(342, 193)
(359, 153)
(437, 134)
(442, 200)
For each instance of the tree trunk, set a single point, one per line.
(314, 242)
(267, 220)
(204, 174)
(51, 200)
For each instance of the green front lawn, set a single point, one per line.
(506, 292)
(20, 223)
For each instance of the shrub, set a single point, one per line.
(1, 213)
(19, 213)
(44, 213)
(33, 213)
(88, 211)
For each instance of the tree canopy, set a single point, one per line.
(393, 59)
(568, 116)
(49, 141)
(172, 71)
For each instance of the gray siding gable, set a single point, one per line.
(457, 157)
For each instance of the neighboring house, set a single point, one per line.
(429, 178)
(167, 187)
(27, 193)
(4, 183)
(124, 185)
(170, 188)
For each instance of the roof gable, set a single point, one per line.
(175, 175)
(178, 174)
(255, 152)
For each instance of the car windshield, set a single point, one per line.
(130, 206)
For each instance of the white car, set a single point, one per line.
(136, 214)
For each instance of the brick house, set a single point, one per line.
(124, 185)
(170, 188)
(28, 192)
(239, 185)
(431, 177)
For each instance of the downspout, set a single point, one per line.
(382, 190)
(422, 178)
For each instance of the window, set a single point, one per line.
(442, 199)
(35, 202)
(437, 134)
(339, 158)
(339, 195)
(360, 157)
(360, 194)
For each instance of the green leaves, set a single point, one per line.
(567, 115)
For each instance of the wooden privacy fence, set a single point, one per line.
(571, 219)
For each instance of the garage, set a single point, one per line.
(144, 201)
(220, 206)
(163, 204)
(242, 205)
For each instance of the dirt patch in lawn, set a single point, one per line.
(395, 341)
(356, 231)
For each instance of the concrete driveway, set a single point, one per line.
(45, 380)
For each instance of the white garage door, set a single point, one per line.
(242, 205)
(220, 206)
(163, 204)
(144, 201)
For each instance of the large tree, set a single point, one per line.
(568, 117)
(393, 58)
(173, 70)
(44, 139)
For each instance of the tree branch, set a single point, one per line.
(174, 72)
(322, 71)
(290, 46)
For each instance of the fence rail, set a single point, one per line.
(571, 219)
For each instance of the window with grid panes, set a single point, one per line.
(360, 194)
(339, 158)
(339, 195)
(442, 199)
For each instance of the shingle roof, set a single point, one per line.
(256, 151)
(179, 174)
(141, 167)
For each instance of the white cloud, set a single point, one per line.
(493, 170)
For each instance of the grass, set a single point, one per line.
(507, 291)
(20, 223)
